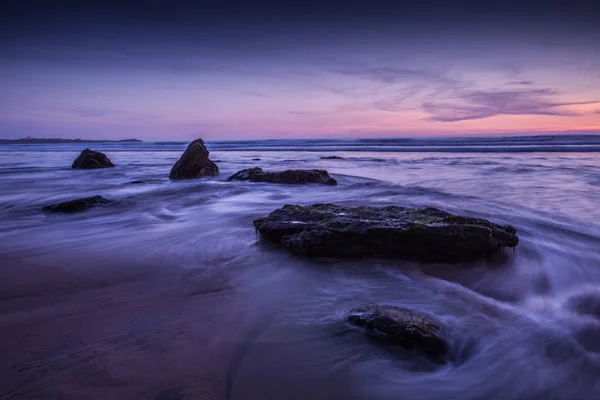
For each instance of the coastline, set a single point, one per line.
(169, 294)
(64, 141)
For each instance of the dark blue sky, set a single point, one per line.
(175, 70)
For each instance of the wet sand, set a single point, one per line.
(120, 332)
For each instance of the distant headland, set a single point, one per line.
(32, 140)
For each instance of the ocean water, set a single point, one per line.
(519, 328)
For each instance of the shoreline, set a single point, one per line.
(65, 141)
(129, 332)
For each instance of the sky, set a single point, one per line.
(176, 70)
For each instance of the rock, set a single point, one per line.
(585, 302)
(256, 159)
(332, 158)
(586, 333)
(290, 176)
(194, 163)
(420, 234)
(404, 327)
(89, 159)
(77, 205)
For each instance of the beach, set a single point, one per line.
(169, 293)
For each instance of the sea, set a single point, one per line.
(525, 327)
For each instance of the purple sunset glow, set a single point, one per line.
(312, 77)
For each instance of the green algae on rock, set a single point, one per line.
(419, 234)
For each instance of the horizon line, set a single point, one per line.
(334, 138)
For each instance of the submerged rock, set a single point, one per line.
(89, 159)
(194, 163)
(290, 176)
(586, 302)
(332, 158)
(77, 205)
(420, 234)
(404, 327)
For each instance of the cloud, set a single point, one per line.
(256, 94)
(469, 105)
(342, 108)
(384, 74)
(388, 75)
(85, 112)
(402, 96)
(200, 126)
(92, 112)
(520, 83)
(310, 113)
(392, 88)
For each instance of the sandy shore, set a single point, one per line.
(120, 332)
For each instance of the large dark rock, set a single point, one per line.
(77, 205)
(291, 176)
(89, 159)
(404, 327)
(332, 158)
(421, 234)
(194, 163)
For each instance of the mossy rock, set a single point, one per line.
(421, 234)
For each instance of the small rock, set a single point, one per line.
(77, 205)
(403, 327)
(420, 234)
(256, 159)
(290, 176)
(332, 158)
(586, 333)
(89, 159)
(586, 302)
(194, 163)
